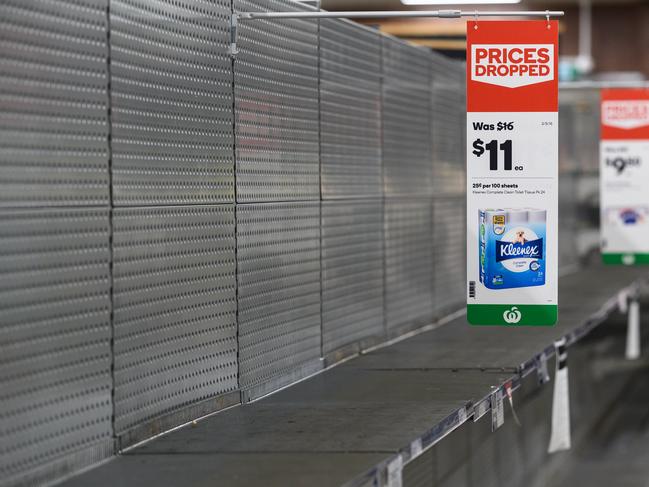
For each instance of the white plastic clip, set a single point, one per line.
(623, 301)
(547, 18)
(497, 409)
(475, 26)
(560, 433)
(542, 369)
(633, 331)
(395, 472)
(481, 409)
(416, 449)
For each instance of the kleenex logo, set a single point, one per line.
(512, 250)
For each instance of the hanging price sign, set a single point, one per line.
(624, 172)
(512, 172)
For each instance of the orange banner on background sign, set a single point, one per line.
(625, 113)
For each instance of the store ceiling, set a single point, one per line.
(396, 4)
(448, 34)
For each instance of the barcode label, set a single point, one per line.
(472, 289)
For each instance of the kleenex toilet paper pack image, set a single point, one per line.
(512, 248)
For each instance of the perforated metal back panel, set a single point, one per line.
(53, 93)
(278, 253)
(350, 117)
(407, 157)
(174, 309)
(55, 382)
(448, 113)
(172, 135)
(449, 253)
(571, 226)
(276, 101)
(408, 262)
(448, 109)
(352, 272)
(579, 126)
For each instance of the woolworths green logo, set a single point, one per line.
(625, 258)
(512, 315)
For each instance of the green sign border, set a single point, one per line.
(620, 258)
(528, 314)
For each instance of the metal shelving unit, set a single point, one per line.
(179, 229)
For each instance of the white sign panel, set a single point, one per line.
(624, 172)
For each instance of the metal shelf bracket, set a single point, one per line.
(234, 27)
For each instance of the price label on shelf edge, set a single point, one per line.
(512, 172)
(624, 172)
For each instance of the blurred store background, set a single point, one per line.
(599, 39)
(600, 43)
